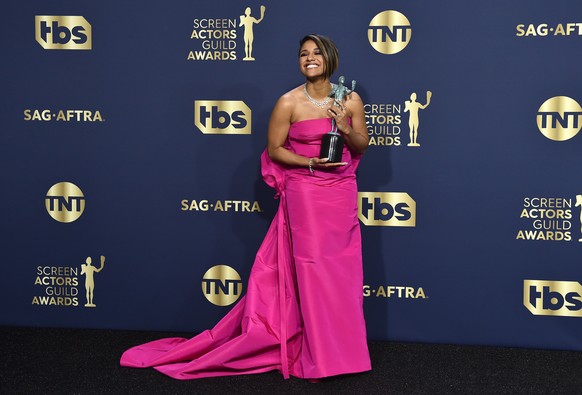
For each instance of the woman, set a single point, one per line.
(302, 313)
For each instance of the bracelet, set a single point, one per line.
(311, 165)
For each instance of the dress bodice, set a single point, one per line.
(305, 139)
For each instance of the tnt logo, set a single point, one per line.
(221, 285)
(560, 298)
(386, 209)
(560, 118)
(65, 202)
(222, 117)
(389, 32)
(63, 32)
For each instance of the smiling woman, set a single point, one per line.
(318, 51)
(318, 59)
(303, 311)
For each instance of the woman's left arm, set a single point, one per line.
(356, 133)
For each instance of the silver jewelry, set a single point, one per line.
(311, 165)
(320, 104)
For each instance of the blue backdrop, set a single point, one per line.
(150, 109)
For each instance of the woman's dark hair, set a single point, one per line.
(328, 51)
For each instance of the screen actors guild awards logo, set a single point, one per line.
(220, 38)
(549, 219)
(56, 286)
(89, 271)
(412, 107)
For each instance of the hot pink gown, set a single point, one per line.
(303, 310)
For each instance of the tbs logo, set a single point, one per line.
(561, 298)
(222, 117)
(63, 32)
(386, 209)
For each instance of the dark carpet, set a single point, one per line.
(80, 361)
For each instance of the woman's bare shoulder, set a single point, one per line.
(292, 96)
(288, 101)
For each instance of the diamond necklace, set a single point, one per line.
(320, 104)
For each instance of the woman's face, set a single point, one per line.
(311, 61)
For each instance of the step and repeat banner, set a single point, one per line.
(130, 140)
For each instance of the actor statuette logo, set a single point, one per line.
(65, 202)
(221, 285)
(222, 117)
(559, 118)
(89, 271)
(386, 209)
(389, 32)
(413, 107)
(63, 32)
(247, 21)
(555, 298)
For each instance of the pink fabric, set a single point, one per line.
(303, 310)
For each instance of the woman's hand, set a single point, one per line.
(314, 163)
(355, 133)
(340, 113)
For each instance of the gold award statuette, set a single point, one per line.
(332, 143)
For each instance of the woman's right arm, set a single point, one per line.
(278, 131)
